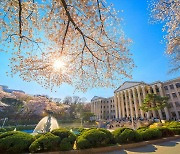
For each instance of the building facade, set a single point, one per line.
(130, 95)
(103, 108)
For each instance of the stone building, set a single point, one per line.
(130, 95)
(103, 108)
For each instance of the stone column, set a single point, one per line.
(159, 111)
(119, 105)
(135, 102)
(99, 107)
(144, 95)
(162, 95)
(126, 100)
(101, 114)
(140, 102)
(122, 104)
(131, 104)
(153, 111)
(115, 105)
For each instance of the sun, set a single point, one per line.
(58, 65)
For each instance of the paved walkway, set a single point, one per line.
(170, 147)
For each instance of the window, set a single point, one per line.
(166, 87)
(177, 104)
(167, 95)
(104, 107)
(174, 95)
(178, 85)
(171, 86)
(170, 105)
(157, 89)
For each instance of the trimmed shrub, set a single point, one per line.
(166, 132)
(94, 138)
(66, 138)
(61, 132)
(65, 145)
(151, 133)
(45, 142)
(82, 143)
(126, 135)
(173, 124)
(2, 130)
(15, 142)
(176, 131)
(38, 136)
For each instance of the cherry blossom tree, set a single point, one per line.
(79, 42)
(167, 12)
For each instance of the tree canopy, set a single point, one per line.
(79, 42)
(167, 12)
(154, 102)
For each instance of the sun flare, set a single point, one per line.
(58, 65)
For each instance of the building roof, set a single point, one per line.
(96, 97)
(128, 84)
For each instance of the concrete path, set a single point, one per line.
(169, 147)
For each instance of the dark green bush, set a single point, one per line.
(62, 133)
(166, 132)
(66, 137)
(176, 131)
(126, 135)
(94, 138)
(2, 130)
(45, 142)
(65, 145)
(15, 142)
(109, 135)
(142, 128)
(82, 143)
(38, 136)
(151, 133)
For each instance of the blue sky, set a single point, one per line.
(147, 49)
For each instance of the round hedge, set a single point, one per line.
(2, 130)
(126, 135)
(15, 142)
(166, 132)
(67, 138)
(94, 138)
(150, 133)
(45, 142)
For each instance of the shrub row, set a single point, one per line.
(62, 139)
(19, 142)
